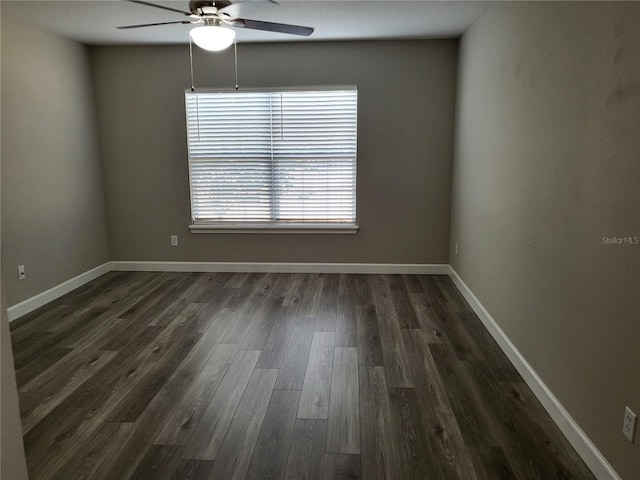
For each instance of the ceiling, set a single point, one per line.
(94, 22)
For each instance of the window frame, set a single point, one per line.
(271, 226)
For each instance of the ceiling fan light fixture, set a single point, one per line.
(212, 37)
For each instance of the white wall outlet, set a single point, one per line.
(629, 425)
(456, 248)
(174, 240)
(21, 272)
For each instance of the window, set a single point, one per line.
(273, 159)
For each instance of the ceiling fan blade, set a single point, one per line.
(148, 4)
(240, 2)
(184, 22)
(234, 9)
(272, 27)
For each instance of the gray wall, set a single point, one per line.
(547, 163)
(406, 107)
(53, 212)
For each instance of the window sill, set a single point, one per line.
(309, 228)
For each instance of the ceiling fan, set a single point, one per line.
(212, 19)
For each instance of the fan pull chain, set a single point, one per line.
(191, 63)
(235, 53)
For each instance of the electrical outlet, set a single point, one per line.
(456, 248)
(21, 272)
(174, 240)
(629, 424)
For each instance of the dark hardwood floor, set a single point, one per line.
(275, 376)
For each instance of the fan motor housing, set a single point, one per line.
(197, 6)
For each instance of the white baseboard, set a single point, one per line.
(422, 269)
(37, 301)
(18, 310)
(578, 439)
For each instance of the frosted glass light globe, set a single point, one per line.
(212, 37)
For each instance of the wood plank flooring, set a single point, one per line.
(275, 376)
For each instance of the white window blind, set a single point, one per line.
(273, 157)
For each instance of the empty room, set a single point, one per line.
(371, 240)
